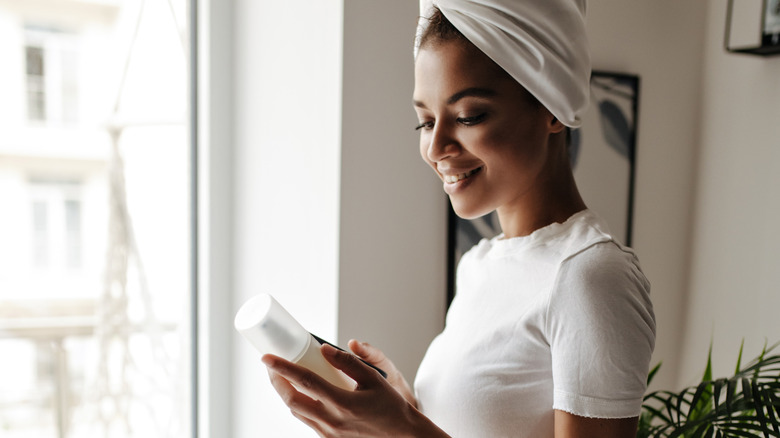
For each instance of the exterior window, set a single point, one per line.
(36, 87)
(52, 75)
(95, 236)
(56, 224)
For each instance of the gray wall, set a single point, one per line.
(733, 291)
(392, 266)
(661, 41)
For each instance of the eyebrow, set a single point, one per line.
(468, 92)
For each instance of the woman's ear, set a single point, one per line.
(556, 126)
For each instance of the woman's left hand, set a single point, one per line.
(373, 409)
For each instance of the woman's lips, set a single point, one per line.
(454, 183)
(453, 178)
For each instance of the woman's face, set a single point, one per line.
(480, 131)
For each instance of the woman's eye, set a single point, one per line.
(424, 125)
(473, 120)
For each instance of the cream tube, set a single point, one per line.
(271, 330)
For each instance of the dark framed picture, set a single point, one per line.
(771, 31)
(602, 153)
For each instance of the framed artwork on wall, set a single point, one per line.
(752, 27)
(602, 153)
(771, 30)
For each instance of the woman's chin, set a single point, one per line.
(468, 212)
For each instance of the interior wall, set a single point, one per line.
(736, 247)
(392, 264)
(287, 107)
(661, 42)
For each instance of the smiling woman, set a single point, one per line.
(551, 330)
(518, 148)
(472, 114)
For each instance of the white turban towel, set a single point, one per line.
(542, 44)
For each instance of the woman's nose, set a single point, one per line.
(441, 145)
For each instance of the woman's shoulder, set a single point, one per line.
(597, 261)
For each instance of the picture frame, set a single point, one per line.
(771, 28)
(603, 156)
(752, 27)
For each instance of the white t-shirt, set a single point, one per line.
(560, 319)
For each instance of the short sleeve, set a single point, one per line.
(601, 329)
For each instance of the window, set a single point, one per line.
(52, 75)
(95, 268)
(36, 90)
(56, 224)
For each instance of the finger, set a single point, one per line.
(298, 402)
(361, 373)
(302, 378)
(370, 354)
(377, 358)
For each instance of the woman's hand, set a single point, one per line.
(376, 357)
(374, 409)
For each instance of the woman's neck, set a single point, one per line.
(554, 200)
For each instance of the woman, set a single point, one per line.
(551, 330)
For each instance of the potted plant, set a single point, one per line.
(744, 405)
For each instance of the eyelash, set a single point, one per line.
(423, 125)
(473, 120)
(465, 121)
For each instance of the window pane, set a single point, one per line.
(95, 225)
(40, 220)
(36, 91)
(70, 86)
(34, 61)
(73, 233)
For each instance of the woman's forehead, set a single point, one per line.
(448, 65)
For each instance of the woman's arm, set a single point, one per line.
(374, 409)
(572, 426)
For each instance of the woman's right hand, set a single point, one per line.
(376, 357)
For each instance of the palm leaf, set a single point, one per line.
(750, 408)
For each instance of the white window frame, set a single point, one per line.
(211, 25)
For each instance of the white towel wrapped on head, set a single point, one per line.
(540, 43)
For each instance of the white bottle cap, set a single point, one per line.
(267, 326)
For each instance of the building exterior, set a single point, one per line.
(94, 220)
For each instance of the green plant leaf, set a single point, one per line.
(653, 372)
(701, 404)
(751, 407)
(739, 357)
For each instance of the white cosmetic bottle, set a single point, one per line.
(271, 330)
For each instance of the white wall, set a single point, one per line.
(287, 106)
(661, 41)
(335, 213)
(734, 292)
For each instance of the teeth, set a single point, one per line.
(460, 176)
